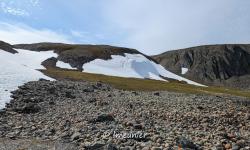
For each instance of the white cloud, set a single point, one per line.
(19, 33)
(87, 37)
(18, 8)
(7, 8)
(15, 11)
(154, 26)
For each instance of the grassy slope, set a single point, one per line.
(141, 84)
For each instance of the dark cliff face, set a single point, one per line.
(227, 65)
(7, 47)
(77, 55)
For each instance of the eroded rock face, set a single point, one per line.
(214, 65)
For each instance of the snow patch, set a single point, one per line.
(17, 69)
(184, 70)
(64, 65)
(132, 65)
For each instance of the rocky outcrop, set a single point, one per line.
(50, 63)
(220, 65)
(7, 47)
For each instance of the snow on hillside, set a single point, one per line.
(132, 65)
(17, 69)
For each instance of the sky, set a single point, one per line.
(151, 26)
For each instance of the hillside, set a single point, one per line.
(21, 63)
(103, 59)
(77, 55)
(217, 65)
(91, 115)
(70, 97)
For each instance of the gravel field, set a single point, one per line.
(83, 115)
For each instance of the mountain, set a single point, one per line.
(106, 97)
(219, 65)
(104, 59)
(77, 55)
(21, 63)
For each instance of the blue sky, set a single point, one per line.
(151, 26)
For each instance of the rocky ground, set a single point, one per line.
(84, 115)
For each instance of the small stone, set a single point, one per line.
(110, 147)
(129, 123)
(247, 116)
(89, 89)
(185, 143)
(52, 103)
(227, 146)
(145, 148)
(70, 95)
(159, 140)
(138, 126)
(103, 118)
(156, 148)
(241, 143)
(219, 147)
(29, 108)
(157, 94)
(92, 100)
(156, 137)
(235, 147)
(99, 84)
(75, 136)
(95, 146)
(52, 90)
(11, 135)
(230, 136)
(2, 111)
(166, 145)
(200, 107)
(135, 93)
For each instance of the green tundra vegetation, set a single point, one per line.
(142, 84)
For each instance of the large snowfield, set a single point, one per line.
(17, 69)
(132, 65)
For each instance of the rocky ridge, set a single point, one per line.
(218, 65)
